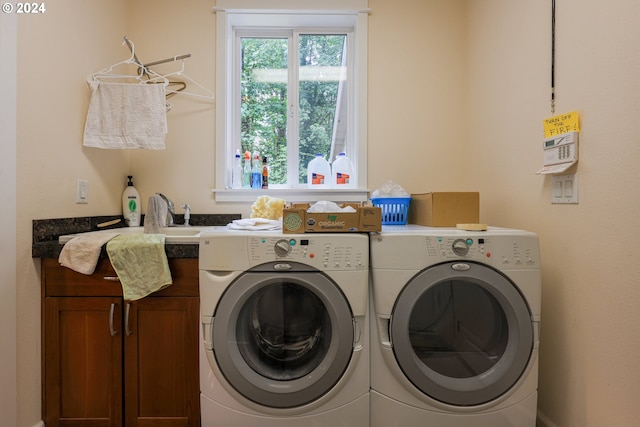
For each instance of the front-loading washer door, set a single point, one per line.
(283, 339)
(462, 333)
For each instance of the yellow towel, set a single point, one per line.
(141, 264)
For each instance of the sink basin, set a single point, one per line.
(181, 231)
(173, 234)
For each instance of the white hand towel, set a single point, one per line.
(255, 224)
(82, 252)
(126, 115)
(156, 215)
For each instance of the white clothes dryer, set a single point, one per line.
(284, 329)
(455, 321)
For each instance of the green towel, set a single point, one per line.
(141, 264)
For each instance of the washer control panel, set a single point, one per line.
(323, 252)
(221, 250)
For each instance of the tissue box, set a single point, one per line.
(445, 209)
(296, 219)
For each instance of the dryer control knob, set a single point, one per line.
(282, 247)
(460, 247)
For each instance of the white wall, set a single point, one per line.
(417, 93)
(590, 333)
(461, 109)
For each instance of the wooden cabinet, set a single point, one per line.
(161, 384)
(82, 376)
(109, 362)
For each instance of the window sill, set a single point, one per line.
(292, 195)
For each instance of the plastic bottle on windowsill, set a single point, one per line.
(342, 172)
(236, 172)
(246, 176)
(265, 173)
(319, 173)
(256, 171)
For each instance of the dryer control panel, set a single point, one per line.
(413, 249)
(491, 249)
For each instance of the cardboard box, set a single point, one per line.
(296, 219)
(444, 209)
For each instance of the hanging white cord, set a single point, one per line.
(553, 56)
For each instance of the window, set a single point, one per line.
(290, 84)
(291, 88)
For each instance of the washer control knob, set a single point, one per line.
(282, 247)
(460, 247)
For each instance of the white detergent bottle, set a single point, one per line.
(343, 175)
(236, 172)
(319, 173)
(131, 204)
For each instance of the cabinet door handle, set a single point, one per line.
(111, 310)
(126, 320)
(111, 278)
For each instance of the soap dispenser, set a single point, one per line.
(131, 204)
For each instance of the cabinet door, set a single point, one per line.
(83, 362)
(161, 362)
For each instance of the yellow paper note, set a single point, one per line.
(563, 123)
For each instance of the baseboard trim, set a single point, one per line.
(543, 421)
(39, 424)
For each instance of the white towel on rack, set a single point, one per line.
(126, 115)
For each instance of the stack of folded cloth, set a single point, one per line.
(255, 224)
(266, 214)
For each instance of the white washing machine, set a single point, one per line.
(455, 320)
(284, 329)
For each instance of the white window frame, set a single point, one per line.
(232, 15)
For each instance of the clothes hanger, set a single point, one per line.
(208, 95)
(175, 87)
(107, 73)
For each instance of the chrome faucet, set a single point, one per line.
(187, 214)
(170, 209)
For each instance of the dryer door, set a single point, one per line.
(283, 339)
(462, 333)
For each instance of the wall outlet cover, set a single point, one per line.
(564, 189)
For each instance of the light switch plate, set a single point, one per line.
(564, 189)
(82, 191)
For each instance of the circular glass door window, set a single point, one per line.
(458, 329)
(283, 331)
(283, 339)
(462, 337)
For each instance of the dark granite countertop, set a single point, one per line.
(47, 231)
